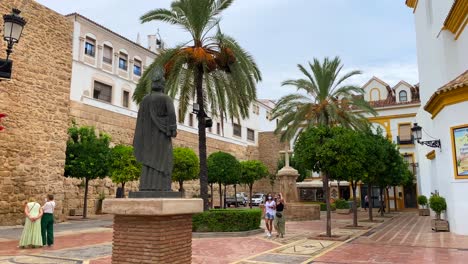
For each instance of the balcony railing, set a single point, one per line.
(405, 142)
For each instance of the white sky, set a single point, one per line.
(375, 36)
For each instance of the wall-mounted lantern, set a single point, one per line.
(12, 30)
(417, 133)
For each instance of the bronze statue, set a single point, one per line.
(156, 126)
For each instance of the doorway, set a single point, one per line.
(410, 196)
(374, 202)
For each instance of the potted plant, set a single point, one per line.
(342, 206)
(438, 205)
(422, 201)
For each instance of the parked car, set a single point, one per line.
(241, 200)
(258, 198)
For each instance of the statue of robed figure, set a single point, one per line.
(155, 127)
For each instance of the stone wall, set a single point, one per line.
(36, 100)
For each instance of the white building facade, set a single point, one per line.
(442, 47)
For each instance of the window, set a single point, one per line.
(123, 61)
(209, 129)
(107, 55)
(256, 109)
(102, 92)
(137, 68)
(250, 134)
(237, 130)
(404, 134)
(90, 47)
(126, 98)
(191, 120)
(403, 96)
(218, 128)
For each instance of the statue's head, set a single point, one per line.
(157, 80)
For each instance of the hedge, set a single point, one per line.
(222, 220)
(323, 206)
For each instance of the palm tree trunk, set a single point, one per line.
(85, 203)
(369, 195)
(326, 192)
(353, 187)
(202, 138)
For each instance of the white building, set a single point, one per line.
(442, 47)
(107, 66)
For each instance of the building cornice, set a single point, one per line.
(453, 92)
(378, 118)
(457, 18)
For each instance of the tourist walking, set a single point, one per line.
(269, 211)
(280, 221)
(31, 235)
(48, 221)
(366, 202)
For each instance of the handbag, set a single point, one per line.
(279, 215)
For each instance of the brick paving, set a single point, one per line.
(406, 238)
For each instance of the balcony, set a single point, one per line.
(405, 142)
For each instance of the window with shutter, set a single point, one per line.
(404, 134)
(102, 92)
(107, 54)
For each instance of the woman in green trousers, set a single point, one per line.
(48, 221)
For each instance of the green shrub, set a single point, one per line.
(422, 200)
(222, 220)
(341, 204)
(437, 204)
(323, 207)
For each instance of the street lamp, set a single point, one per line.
(417, 133)
(12, 30)
(196, 111)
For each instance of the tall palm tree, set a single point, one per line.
(212, 69)
(327, 101)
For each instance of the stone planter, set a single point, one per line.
(424, 212)
(439, 225)
(343, 211)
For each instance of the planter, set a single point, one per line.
(98, 206)
(424, 212)
(439, 225)
(343, 211)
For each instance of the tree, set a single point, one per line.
(328, 103)
(222, 169)
(211, 67)
(123, 166)
(87, 156)
(252, 171)
(186, 167)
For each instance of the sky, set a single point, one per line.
(376, 37)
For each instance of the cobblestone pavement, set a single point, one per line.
(405, 238)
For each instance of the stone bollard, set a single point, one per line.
(154, 230)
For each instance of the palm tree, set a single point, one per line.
(328, 102)
(211, 68)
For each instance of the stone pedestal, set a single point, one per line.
(302, 212)
(152, 230)
(287, 184)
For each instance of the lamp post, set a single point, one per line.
(196, 111)
(12, 30)
(417, 133)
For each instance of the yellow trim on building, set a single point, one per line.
(411, 3)
(457, 17)
(441, 100)
(391, 117)
(431, 155)
(454, 155)
(386, 124)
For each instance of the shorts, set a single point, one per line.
(269, 216)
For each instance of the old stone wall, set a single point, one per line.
(36, 100)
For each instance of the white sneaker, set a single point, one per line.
(269, 235)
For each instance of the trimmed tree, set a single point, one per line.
(186, 166)
(222, 169)
(123, 166)
(252, 171)
(87, 156)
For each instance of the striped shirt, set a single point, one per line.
(49, 207)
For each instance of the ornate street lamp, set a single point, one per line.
(12, 30)
(417, 133)
(196, 111)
